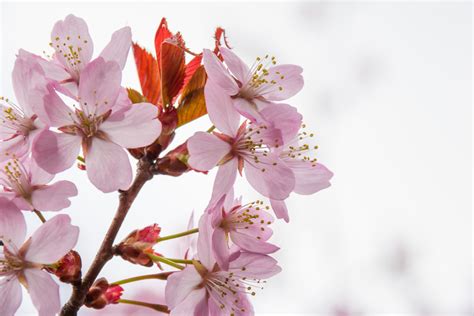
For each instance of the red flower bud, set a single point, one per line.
(102, 294)
(136, 246)
(68, 268)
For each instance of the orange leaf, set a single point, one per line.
(192, 104)
(172, 71)
(148, 73)
(135, 96)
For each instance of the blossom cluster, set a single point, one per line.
(71, 109)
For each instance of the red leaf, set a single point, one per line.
(162, 33)
(191, 68)
(148, 73)
(172, 71)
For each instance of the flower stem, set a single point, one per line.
(211, 129)
(157, 307)
(188, 232)
(40, 216)
(165, 260)
(158, 276)
(181, 261)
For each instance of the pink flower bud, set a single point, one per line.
(68, 268)
(102, 294)
(138, 244)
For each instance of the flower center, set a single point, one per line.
(260, 79)
(14, 177)
(70, 51)
(14, 119)
(228, 288)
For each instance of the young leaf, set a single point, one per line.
(148, 73)
(192, 104)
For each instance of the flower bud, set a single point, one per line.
(174, 163)
(136, 246)
(102, 294)
(68, 268)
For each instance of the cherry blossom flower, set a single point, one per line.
(245, 148)
(27, 186)
(103, 123)
(206, 289)
(252, 90)
(22, 262)
(247, 226)
(73, 48)
(19, 123)
(310, 175)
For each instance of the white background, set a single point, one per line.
(388, 92)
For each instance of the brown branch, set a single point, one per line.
(105, 253)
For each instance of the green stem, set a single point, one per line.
(156, 307)
(211, 129)
(181, 261)
(40, 216)
(158, 276)
(166, 261)
(188, 232)
(81, 159)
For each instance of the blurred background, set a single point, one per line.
(388, 94)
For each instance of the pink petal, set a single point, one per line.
(283, 118)
(204, 243)
(238, 68)
(118, 47)
(53, 197)
(220, 248)
(27, 76)
(248, 109)
(17, 146)
(55, 152)
(44, 292)
(53, 111)
(108, 167)
(12, 224)
(279, 207)
(252, 244)
(310, 177)
(270, 176)
(221, 110)
(52, 240)
(218, 74)
(99, 86)
(10, 296)
(206, 150)
(180, 285)
(134, 126)
(69, 35)
(291, 83)
(38, 176)
(256, 266)
(52, 69)
(225, 179)
(193, 304)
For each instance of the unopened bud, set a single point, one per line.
(138, 244)
(68, 268)
(102, 294)
(174, 163)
